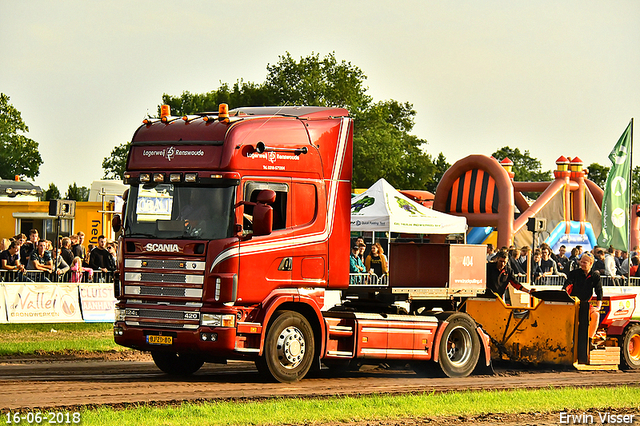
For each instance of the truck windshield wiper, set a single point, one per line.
(137, 234)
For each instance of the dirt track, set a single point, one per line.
(71, 382)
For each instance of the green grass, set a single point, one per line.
(368, 408)
(56, 338)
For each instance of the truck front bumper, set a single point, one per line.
(216, 342)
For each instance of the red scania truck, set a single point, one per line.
(236, 234)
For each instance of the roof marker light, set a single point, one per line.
(223, 113)
(145, 177)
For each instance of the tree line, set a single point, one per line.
(382, 129)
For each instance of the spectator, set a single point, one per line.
(87, 257)
(66, 252)
(78, 249)
(10, 261)
(573, 259)
(29, 247)
(635, 261)
(4, 244)
(376, 262)
(62, 267)
(610, 263)
(20, 240)
(362, 248)
(100, 259)
(524, 257)
(111, 248)
(599, 261)
(548, 266)
(499, 276)
(355, 264)
(490, 253)
(562, 260)
(536, 270)
(514, 263)
(40, 260)
(624, 263)
(77, 271)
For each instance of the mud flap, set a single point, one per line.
(484, 365)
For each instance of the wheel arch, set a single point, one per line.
(443, 320)
(305, 306)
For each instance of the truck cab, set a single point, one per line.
(232, 218)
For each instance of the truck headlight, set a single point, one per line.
(218, 320)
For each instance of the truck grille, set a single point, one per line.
(165, 264)
(163, 282)
(165, 291)
(163, 278)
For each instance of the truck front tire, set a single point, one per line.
(630, 356)
(288, 349)
(177, 364)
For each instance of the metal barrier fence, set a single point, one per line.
(368, 280)
(88, 276)
(618, 281)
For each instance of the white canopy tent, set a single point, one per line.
(382, 208)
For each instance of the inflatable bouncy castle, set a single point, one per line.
(567, 211)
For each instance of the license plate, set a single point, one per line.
(159, 340)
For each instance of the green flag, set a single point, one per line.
(615, 204)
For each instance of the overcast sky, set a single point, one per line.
(552, 77)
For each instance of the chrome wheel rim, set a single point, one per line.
(291, 347)
(459, 346)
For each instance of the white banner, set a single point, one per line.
(3, 307)
(42, 303)
(98, 303)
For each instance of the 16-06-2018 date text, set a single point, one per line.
(39, 417)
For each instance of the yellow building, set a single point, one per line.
(20, 216)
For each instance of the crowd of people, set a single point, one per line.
(544, 263)
(30, 258)
(371, 268)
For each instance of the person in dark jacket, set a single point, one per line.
(583, 283)
(499, 276)
(514, 263)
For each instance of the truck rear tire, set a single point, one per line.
(177, 364)
(630, 356)
(459, 348)
(288, 349)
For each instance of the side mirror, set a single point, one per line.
(263, 213)
(116, 223)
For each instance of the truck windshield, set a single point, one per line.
(172, 211)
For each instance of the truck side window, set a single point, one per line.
(251, 191)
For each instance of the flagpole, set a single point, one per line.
(630, 206)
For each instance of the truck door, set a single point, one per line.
(310, 260)
(266, 261)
